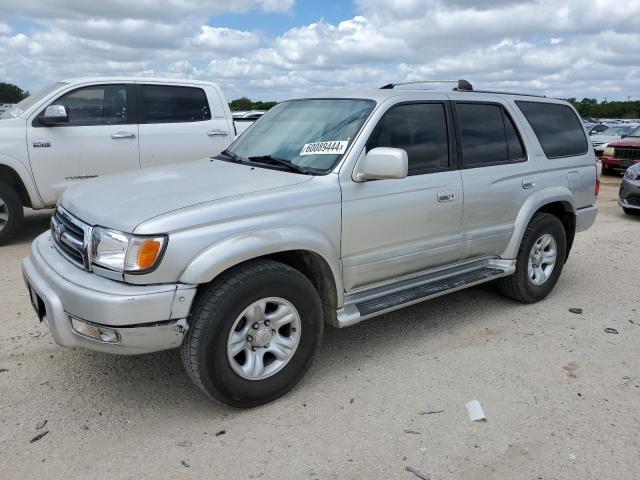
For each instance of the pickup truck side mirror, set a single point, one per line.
(54, 115)
(382, 163)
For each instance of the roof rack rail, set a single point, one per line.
(462, 85)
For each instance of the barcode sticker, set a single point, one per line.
(334, 147)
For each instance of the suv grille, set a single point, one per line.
(627, 153)
(71, 237)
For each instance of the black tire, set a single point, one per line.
(518, 286)
(204, 350)
(608, 170)
(631, 211)
(11, 205)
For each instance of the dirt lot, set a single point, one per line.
(562, 397)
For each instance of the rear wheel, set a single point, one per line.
(11, 213)
(540, 260)
(254, 333)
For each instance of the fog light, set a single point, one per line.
(95, 332)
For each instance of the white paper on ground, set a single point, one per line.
(475, 411)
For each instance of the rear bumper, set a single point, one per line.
(145, 318)
(585, 217)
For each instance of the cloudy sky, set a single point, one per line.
(273, 49)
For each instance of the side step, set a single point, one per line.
(366, 306)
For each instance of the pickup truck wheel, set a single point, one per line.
(254, 333)
(540, 260)
(11, 212)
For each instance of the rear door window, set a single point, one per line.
(173, 104)
(488, 135)
(557, 127)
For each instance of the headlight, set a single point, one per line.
(609, 151)
(123, 252)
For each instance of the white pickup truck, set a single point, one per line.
(84, 128)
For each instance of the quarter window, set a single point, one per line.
(421, 130)
(557, 127)
(96, 105)
(488, 135)
(174, 104)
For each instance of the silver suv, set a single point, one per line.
(329, 209)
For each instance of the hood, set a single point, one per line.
(604, 138)
(122, 201)
(626, 142)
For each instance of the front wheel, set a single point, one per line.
(540, 260)
(607, 170)
(254, 333)
(11, 212)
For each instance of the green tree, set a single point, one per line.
(244, 103)
(11, 94)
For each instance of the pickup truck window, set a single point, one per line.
(421, 130)
(488, 135)
(96, 105)
(174, 104)
(557, 127)
(325, 126)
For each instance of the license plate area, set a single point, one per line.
(37, 303)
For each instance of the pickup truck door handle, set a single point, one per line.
(528, 183)
(121, 135)
(446, 197)
(217, 133)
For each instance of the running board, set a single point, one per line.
(363, 306)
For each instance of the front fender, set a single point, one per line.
(533, 203)
(26, 178)
(234, 250)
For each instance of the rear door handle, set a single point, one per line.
(446, 197)
(121, 135)
(528, 183)
(217, 133)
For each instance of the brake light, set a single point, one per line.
(597, 189)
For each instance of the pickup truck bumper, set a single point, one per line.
(83, 309)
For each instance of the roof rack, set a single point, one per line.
(461, 86)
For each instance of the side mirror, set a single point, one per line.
(54, 115)
(382, 163)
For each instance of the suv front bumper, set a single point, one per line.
(136, 319)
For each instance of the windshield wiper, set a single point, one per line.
(280, 161)
(234, 157)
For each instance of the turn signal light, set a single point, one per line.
(148, 253)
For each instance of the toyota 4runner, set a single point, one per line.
(330, 209)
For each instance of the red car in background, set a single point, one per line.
(621, 154)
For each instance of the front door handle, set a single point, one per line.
(446, 197)
(217, 133)
(121, 135)
(528, 183)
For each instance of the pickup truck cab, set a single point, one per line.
(330, 209)
(85, 128)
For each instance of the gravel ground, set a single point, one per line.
(562, 396)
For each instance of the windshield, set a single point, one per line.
(312, 134)
(635, 132)
(31, 100)
(612, 131)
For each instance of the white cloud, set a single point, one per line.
(559, 47)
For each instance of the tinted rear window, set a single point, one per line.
(557, 127)
(174, 104)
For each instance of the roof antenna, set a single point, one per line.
(464, 86)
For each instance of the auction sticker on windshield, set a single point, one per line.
(336, 147)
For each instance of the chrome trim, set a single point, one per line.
(65, 231)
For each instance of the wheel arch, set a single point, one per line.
(558, 202)
(309, 252)
(13, 174)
